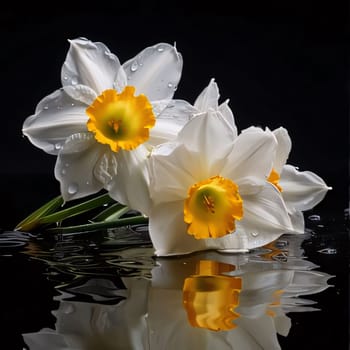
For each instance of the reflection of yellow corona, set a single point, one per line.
(276, 296)
(275, 253)
(210, 298)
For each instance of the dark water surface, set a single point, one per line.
(106, 290)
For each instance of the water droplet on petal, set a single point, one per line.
(74, 81)
(170, 85)
(63, 171)
(65, 78)
(160, 49)
(46, 108)
(58, 146)
(254, 234)
(73, 188)
(134, 67)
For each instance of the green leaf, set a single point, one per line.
(76, 209)
(134, 220)
(113, 212)
(32, 221)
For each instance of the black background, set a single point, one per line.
(279, 66)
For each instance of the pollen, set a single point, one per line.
(120, 120)
(212, 207)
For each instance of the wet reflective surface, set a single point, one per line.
(106, 290)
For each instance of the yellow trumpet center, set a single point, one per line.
(211, 208)
(121, 121)
(274, 177)
(210, 299)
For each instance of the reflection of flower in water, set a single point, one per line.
(184, 305)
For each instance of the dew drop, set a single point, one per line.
(46, 108)
(160, 49)
(254, 234)
(65, 78)
(134, 67)
(74, 81)
(63, 171)
(73, 188)
(170, 85)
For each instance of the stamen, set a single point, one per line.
(209, 202)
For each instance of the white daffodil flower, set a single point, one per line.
(101, 123)
(209, 189)
(301, 190)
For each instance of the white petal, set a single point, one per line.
(302, 189)
(170, 120)
(180, 110)
(168, 231)
(91, 64)
(131, 183)
(226, 112)
(266, 208)
(209, 136)
(173, 170)
(121, 80)
(81, 93)
(208, 98)
(297, 219)
(265, 218)
(252, 155)
(57, 116)
(155, 71)
(106, 167)
(284, 145)
(75, 164)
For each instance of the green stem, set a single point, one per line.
(76, 209)
(32, 220)
(135, 220)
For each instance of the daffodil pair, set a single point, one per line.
(202, 184)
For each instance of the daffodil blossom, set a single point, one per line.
(103, 121)
(209, 189)
(301, 190)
